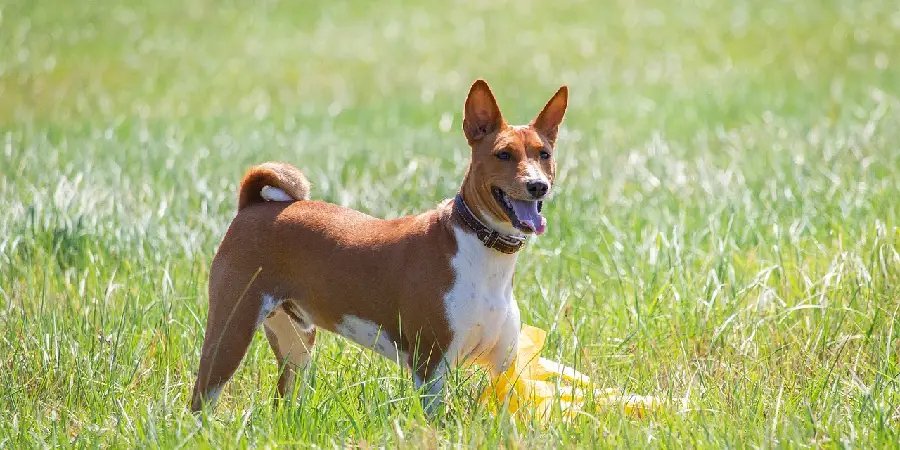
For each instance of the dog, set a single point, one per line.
(430, 291)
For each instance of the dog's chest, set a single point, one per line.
(480, 298)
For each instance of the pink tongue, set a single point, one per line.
(527, 213)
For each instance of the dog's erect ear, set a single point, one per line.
(481, 116)
(547, 122)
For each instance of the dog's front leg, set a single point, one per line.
(505, 350)
(431, 388)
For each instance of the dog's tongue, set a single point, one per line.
(527, 213)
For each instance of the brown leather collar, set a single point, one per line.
(504, 243)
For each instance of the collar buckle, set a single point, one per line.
(490, 238)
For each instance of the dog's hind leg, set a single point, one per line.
(230, 327)
(292, 338)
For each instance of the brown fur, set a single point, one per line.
(488, 133)
(275, 174)
(330, 261)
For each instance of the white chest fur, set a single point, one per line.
(480, 303)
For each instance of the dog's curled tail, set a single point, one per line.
(273, 181)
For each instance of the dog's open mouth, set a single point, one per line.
(525, 215)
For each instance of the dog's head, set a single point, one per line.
(513, 166)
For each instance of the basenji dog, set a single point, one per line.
(429, 291)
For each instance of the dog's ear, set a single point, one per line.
(481, 116)
(547, 122)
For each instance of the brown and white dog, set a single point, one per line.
(443, 277)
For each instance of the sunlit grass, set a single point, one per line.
(724, 233)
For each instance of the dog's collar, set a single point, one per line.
(491, 238)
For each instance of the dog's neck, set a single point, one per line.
(486, 231)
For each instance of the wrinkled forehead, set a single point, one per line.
(518, 137)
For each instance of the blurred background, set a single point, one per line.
(222, 84)
(630, 63)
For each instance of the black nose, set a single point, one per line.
(537, 189)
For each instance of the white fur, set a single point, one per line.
(290, 338)
(533, 172)
(370, 335)
(502, 226)
(481, 310)
(212, 394)
(432, 397)
(274, 194)
(269, 303)
(482, 313)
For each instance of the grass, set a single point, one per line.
(724, 234)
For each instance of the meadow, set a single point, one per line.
(723, 235)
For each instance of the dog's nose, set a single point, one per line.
(537, 189)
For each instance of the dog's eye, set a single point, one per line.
(503, 156)
(545, 155)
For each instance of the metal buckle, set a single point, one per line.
(517, 239)
(491, 238)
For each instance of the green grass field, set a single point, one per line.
(724, 234)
